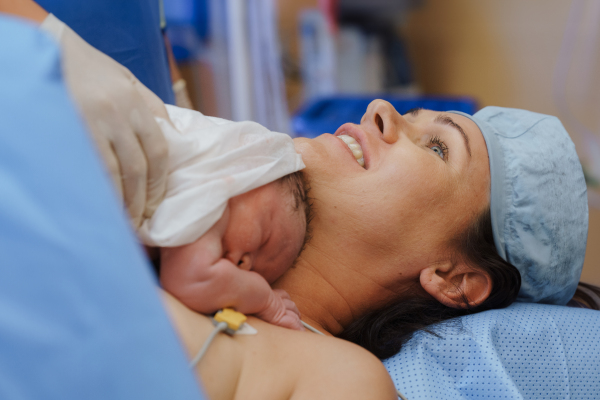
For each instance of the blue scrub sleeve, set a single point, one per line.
(127, 30)
(81, 317)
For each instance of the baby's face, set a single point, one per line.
(265, 233)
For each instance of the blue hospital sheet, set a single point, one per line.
(80, 316)
(527, 351)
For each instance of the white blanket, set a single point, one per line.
(210, 161)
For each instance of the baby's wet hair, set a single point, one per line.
(300, 189)
(295, 184)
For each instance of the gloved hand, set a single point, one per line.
(119, 111)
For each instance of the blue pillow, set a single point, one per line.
(526, 351)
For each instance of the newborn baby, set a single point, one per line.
(256, 240)
(234, 216)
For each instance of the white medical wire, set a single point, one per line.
(310, 328)
(400, 395)
(221, 326)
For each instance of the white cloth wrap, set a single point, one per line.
(210, 161)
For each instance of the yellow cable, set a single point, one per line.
(227, 320)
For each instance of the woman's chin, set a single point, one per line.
(314, 152)
(304, 147)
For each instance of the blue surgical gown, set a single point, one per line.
(80, 316)
(126, 30)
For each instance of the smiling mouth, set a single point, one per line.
(354, 148)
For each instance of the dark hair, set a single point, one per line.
(300, 190)
(586, 296)
(383, 332)
(293, 182)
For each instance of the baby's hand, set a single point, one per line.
(282, 311)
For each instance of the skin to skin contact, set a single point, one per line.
(233, 264)
(279, 363)
(389, 227)
(377, 231)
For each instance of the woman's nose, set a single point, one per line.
(383, 118)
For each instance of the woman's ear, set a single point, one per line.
(451, 283)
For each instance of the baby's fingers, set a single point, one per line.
(291, 307)
(291, 320)
(287, 301)
(282, 293)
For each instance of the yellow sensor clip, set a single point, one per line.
(232, 318)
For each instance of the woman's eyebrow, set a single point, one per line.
(446, 120)
(414, 111)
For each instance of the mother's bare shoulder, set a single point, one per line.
(324, 366)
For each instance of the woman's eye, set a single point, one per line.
(438, 150)
(439, 147)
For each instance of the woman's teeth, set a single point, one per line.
(355, 148)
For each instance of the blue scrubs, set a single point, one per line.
(127, 30)
(80, 317)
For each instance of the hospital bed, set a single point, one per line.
(80, 317)
(526, 351)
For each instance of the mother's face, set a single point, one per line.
(425, 178)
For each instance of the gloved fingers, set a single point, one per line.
(154, 145)
(118, 108)
(133, 165)
(111, 162)
(154, 103)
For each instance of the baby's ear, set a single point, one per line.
(454, 283)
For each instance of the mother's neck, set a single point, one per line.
(331, 294)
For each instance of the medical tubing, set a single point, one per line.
(310, 328)
(400, 395)
(220, 327)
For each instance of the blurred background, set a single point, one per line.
(306, 66)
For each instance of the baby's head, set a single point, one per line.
(268, 227)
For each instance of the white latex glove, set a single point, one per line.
(119, 111)
(182, 97)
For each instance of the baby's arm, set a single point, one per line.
(198, 276)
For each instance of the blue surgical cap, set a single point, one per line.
(538, 200)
